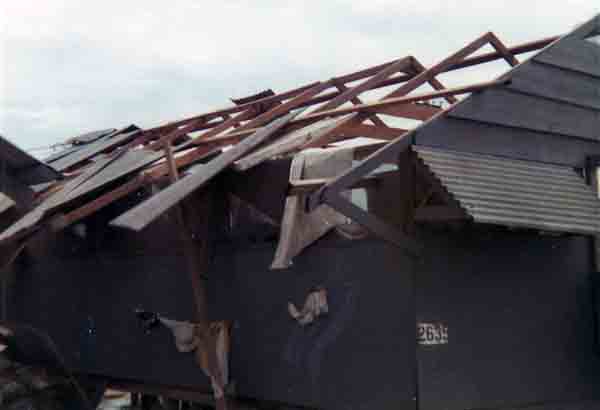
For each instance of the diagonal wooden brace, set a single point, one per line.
(330, 194)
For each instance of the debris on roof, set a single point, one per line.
(103, 166)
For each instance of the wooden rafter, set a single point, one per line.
(501, 48)
(234, 123)
(434, 82)
(357, 101)
(204, 120)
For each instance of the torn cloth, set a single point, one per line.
(298, 228)
(314, 306)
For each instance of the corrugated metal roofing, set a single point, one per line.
(516, 193)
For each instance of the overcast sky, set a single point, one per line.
(71, 66)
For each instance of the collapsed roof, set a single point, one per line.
(552, 98)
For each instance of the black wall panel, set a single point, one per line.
(520, 319)
(83, 293)
(360, 356)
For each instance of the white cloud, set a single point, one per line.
(69, 66)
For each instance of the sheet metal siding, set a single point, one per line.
(520, 316)
(516, 193)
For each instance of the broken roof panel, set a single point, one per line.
(143, 214)
(77, 142)
(340, 116)
(90, 150)
(26, 168)
(125, 164)
(90, 136)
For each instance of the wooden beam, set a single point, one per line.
(440, 67)
(388, 102)
(100, 202)
(421, 112)
(516, 50)
(468, 62)
(285, 144)
(368, 84)
(377, 106)
(501, 48)
(351, 176)
(434, 82)
(286, 107)
(143, 214)
(173, 174)
(414, 83)
(306, 186)
(356, 101)
(373, 224)
(223, 126)
(370, 131)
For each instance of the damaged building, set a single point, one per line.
(301, 249)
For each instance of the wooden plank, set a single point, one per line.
(434, 82)
(306, 186)
(355, 100)
(503, 107)
(374, 224)
(468, 62)
(29, 222)
(413, 111)
(557, 84)
(173, 174)
(146, 212)
(370, 131)
(388, 102)
(495, 55)
(223, 126)
(347, 95)
(348, 178)
(286, 144)
(288, 233)
(183, 160)
(573, 54)
(501, 48)
(99, 202)
(284, 108)
(125, 164)
(440, 67)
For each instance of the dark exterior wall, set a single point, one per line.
(520, 319)
(83, 293)
(518, 306)
(360, 356)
